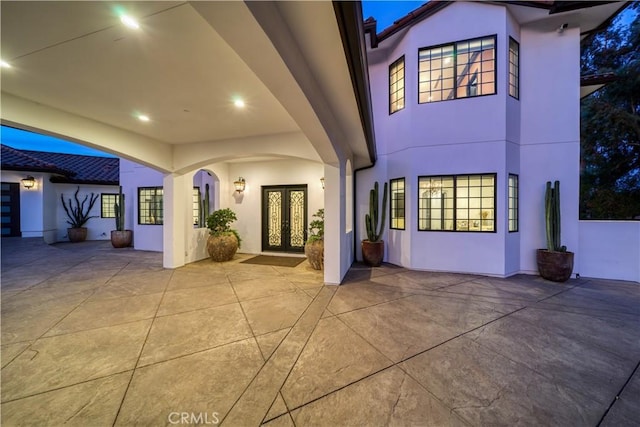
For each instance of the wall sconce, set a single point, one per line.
(322, 182)
(29, 182)
(239, 184)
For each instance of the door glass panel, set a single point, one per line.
(274, 215)
(296, 219)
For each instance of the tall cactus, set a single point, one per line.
(552, 217)
(374, 234)
(119, 211)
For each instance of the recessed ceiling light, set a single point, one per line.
(129, 22)
(239, 103)
(143, 118)
(4, 64)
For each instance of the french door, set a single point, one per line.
(284, 218)
(10, 209)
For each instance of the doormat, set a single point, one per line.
(277, 261)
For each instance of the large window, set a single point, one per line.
(514, 68)
(457, 70)
(150, 205)
(396, 86)
(457, 203)
(513, 202)
(107, 202)
(397, 204)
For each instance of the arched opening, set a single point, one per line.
(205, 197)
(348, 192)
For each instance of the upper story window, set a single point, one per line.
(457, 203)
(397, 204)
(457, 70)
(107, 205)
(150, 209)
(514, 68)
(396, 86)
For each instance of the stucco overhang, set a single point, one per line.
(79, 74)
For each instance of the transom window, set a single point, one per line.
(107, 202)
(397, 204)
(457, 70)
(513, 202)
(514, 68)
(396, 86)
(150, 210)
(457, 203)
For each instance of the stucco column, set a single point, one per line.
(335, 247)
(173, 231)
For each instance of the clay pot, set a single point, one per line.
(222, 248)
(77, 234)
(554, 266)
(121, 239)
(373, 252)
(314, 252)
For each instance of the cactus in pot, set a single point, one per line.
(552, 217)
(373, 246)
(555, 262)
(120, 237)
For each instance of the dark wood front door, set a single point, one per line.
(10, 209)
(284, 218)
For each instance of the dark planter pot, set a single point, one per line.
(373, 252)
(555, 266)
(77, 234)
(314, 252)
(121, 239)
(222, 248)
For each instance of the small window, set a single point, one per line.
(513, 202)
(458, 70)
(514, 68)
(107, 203)
(196, 207)
(396, 86)
(457, 203)
(150, 209)
(397, 204)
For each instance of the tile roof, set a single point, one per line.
(67, 168)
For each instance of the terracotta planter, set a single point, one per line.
(554, 266)
(373, 252)
(77, 234)
(314, 252)
(121, 239)
(222, 248)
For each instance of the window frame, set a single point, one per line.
(516, 207)
(404, 76)
(455, 68)
(111, 208)
(140, 210)
(196, 212)
(517, 68)
(455, 178)
(404, 204)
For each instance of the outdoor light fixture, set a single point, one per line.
(29, 182)
(322, 182)
(239, 184)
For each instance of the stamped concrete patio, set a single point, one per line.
(94, 336)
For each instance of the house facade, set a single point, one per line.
(465, 109)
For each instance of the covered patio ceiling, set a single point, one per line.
(77, 72)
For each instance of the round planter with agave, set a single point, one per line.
(223, 242)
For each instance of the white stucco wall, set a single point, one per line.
(609, 249)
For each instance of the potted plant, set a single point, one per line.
(120, 238)
(554, 263)
(314, 247)
(373, 246)
(223, 241)
(78, 214)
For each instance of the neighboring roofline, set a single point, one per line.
(597, 79)
(433, 6)
(352, 33)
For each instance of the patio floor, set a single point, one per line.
(95, 336)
